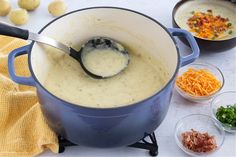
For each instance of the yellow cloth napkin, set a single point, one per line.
(23, 129)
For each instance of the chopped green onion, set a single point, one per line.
(229, 24)
(230, 32)
(227, 115)
(192, 12)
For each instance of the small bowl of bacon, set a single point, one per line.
(199, 82)
(199, 135)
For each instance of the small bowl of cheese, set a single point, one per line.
(199, 81)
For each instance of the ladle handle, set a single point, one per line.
(13, 31)
(26, 35)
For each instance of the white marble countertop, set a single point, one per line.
(160, 10)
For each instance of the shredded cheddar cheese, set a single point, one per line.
(198, 82)
(206, 25)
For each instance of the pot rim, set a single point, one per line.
(111, 108)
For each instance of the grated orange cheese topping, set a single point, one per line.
(198, 82)
(208, 26)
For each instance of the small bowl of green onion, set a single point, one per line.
(223, 107)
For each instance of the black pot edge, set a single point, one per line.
(205, 45)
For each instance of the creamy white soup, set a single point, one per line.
(105, 62)
(144, 76)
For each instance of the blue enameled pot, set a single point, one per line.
(109, 127)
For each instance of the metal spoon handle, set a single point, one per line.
(26, 35)
(49, 41)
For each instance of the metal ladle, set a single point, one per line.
(101, 43)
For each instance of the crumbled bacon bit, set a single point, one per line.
(198, 142)
(208, 26)
(209, 10)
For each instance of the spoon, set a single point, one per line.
(93, 50)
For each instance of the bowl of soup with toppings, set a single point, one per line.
(212, 22)
(115, 111)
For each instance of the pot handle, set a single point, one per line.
(192, 42)
(11, 58)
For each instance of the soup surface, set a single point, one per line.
(208, 19)
(143, 77)
(105, 62)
